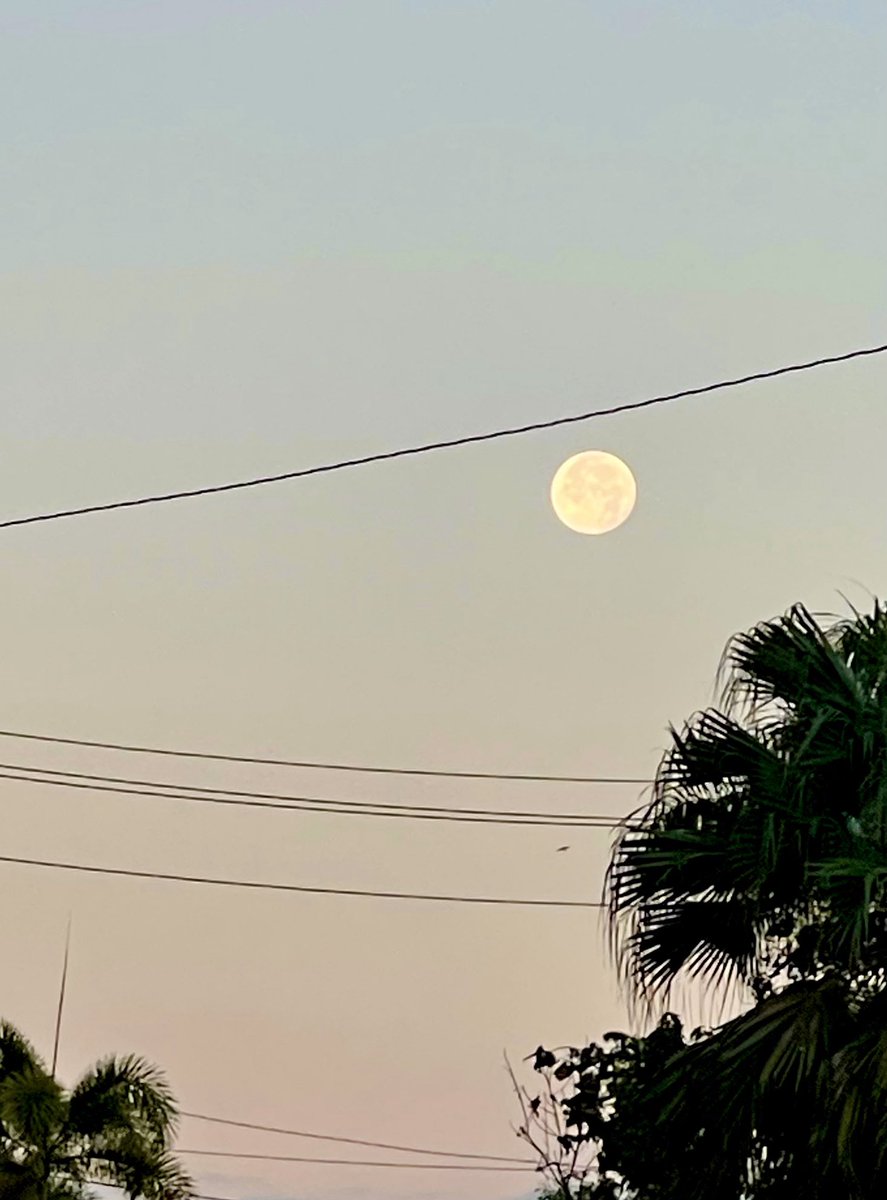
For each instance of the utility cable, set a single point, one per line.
(447, 444)
(287, 803)
(351, 1162)
(302, 889)
(313, 765)
(321, 1137)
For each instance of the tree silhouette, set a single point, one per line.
(114, 1127)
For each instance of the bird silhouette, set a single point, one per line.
(561, 849)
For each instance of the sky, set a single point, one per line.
(242, 237)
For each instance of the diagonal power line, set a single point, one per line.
(447, 444)
(352, 1162)
(283, 802)
(301, 889)
(349, 1141)
(314, 765)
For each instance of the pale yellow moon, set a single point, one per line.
(593, 492)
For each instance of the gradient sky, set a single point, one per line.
(241, 237)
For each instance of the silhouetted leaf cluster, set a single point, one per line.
(761, 861)
(115, 1127)
(609, 1118)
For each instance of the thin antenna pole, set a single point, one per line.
(58, 1019)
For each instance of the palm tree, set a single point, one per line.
(113, 1128)
(761, 858)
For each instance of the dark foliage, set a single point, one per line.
(761, 860)
(762, 857)
(114, 1127)
(598, 1099)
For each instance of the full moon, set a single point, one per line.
(593, 492)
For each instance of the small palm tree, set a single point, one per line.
(762, 857)
(113, 1128)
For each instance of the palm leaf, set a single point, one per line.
(123, 1094)
(16, 1052)
(755, 1091)
(32, 1106)
(139, 1169)
(114, 1129)
(860, 1099)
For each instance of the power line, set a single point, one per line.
(334, 807)
(448, 444)
(303, 889)
(285, 803)
(316, 766)
(350, 1162)
(322, 1137)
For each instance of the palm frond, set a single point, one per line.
(853, 889)
(123, 1093)
(711, 937)
(763, 855)
(860, 1099)
(790, 662)
(752, 804)
(115, 1129)
(712, 752)
(139, 1170)
(755, 1091)
(32, 1105)
(16, 1052)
